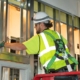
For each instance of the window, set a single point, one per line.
(14, 2)
(76, 40)
(57, 14)
(57, 27)
(76, 22)
(35, 6)
(70, 39)
(62, 17)
(42, 7)
(13, 40)
(14, 74)
(70, 20)
(64, 30)
(52, 28)
(49, 11)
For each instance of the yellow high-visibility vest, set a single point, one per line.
(48, 50)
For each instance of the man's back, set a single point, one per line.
(48, 50)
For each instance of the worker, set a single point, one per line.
(50, 46)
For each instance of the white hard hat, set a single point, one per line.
(41, 17)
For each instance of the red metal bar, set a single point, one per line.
(52, 75)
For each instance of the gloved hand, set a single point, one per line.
(2, 44)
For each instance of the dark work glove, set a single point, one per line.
(2, 44)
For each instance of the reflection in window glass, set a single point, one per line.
(64, 30)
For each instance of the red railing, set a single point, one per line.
(52, 75)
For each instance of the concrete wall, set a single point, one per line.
(26, 72)
(71, 6)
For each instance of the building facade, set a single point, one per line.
(17, 26)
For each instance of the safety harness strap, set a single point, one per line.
(56, 55)
(52, 61)
(72, 58)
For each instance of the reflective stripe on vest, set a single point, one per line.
(48, 48)
(46, 63)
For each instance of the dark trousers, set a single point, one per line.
(64, 69)
(75, 77)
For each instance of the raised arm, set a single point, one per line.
(14, 46)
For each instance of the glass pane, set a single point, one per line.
(57, 27)
(15, 74)
(64, 30)
(76, 22)
(52, 28)
(42, 7)
(21, 3)
(13, 22)
(70, 40)
(35, 6)
(78, 58)
(34, 27)
(5, 75)
(57, 14)
(11, 72)
(76, 40)
(10, 78)
(24, 5)
(49, 11)
(77, 46)
(70, 20)
(4, 20)
(62, 17)
(14, 2)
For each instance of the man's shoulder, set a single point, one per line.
(35, 36)
(51, 31)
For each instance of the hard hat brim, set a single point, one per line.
(44, 20)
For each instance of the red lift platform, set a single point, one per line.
(52, 75)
